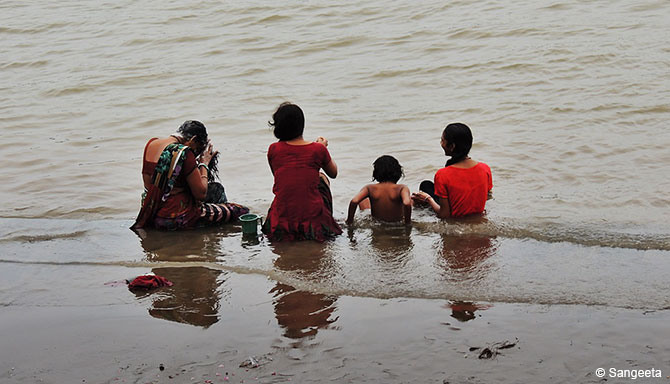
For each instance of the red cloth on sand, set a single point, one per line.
(466, 188)
(149, 282)
(300, 209)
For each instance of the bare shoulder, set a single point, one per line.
(159, 142)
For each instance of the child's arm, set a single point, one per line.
(442, 209)
(407, 203)
(360, 196)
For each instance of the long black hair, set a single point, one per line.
(195, 129)
(460, 135)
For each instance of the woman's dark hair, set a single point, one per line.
(387, 168)
(460, 135)
(194, 128)
(288, 121)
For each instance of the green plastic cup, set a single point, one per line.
(250, 222)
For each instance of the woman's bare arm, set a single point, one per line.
(331, 169)
(197, 182)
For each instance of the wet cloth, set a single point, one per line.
(149, 282)
(303, 205)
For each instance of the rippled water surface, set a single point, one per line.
(568, 102)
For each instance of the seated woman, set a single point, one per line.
(462, 187)
(303, 206)
(175, 175)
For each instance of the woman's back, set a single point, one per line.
(466, 189)
(302, 204)
(296, 172)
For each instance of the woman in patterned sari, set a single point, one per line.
(175, 175)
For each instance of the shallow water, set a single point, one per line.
(567, 103)
(372, 261)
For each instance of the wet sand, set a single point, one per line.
(65, 320)
(301, 337)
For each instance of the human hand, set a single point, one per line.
(207, 154)
(421, 196)
(322, 140)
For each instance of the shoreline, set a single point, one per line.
(311, 312)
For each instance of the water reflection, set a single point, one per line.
(194, 297)
(464, 257)
(465, 310)
(301, 313)
(391, 244)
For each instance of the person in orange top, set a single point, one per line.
(464, 185)
(389, 201)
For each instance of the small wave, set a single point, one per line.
(45, 237)
(188, 39)
(470, 34)
(70, 90)
(25, 64)
(30, 31)
(138, 41)
(122, 263)
(393, 73)
(558, 7)
(583, 235)
(273, 19)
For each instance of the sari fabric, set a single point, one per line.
(160, 208)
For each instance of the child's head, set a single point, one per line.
(387, 168)
(288, 121)
(457, 137)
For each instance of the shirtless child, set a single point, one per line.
(389, 201)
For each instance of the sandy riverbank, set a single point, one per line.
(302, 337)
(64, 320)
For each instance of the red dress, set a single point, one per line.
(302, 207)
(466, 189)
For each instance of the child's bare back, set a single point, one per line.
(389, 201)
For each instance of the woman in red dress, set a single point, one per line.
(462, 187)
(303, 205)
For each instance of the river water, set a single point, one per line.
(567, 100)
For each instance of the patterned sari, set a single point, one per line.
(163, 209)
(167, 171)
